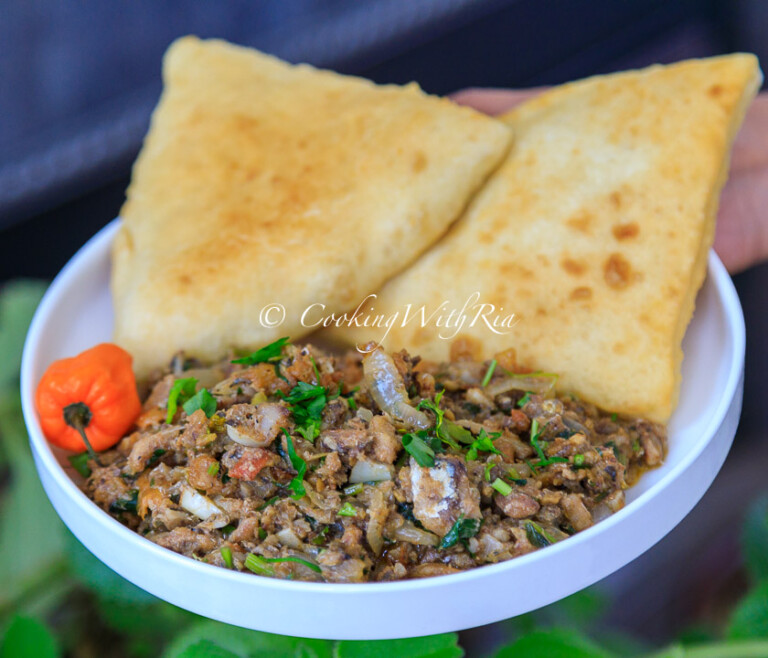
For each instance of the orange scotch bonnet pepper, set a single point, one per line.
(88, 402)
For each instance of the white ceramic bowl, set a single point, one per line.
(76, 313)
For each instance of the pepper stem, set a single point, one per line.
(78, 416)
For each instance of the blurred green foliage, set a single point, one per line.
(57, 599)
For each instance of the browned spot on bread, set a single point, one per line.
(581, 221)
(715, 91)
(619, 348)
(541, 311)
(615, 199)
(486, 237)
(617, 271)
(573, 267)
(185, 280)
(581, 294)
(626, 231)
(419, 162)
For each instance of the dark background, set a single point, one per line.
(79, 79)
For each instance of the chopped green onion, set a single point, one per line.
(419, 450)
(213, 469)
(226, 555)
(320, 539)
(262, 534)
(578, 461)
(347, 509)
(80, 464)
(352, 404)
(353, 489)
(488, 468)
(502, 487)
(201, 400)
(267, 503)
(614, 417)
(636, 445)
(489, 373)
(524, 400)
(266, 354)
(260, 565)
(180, 392)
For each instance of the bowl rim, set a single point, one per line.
(95, 248)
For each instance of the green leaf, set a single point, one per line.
(181, 391)
(297, 483)
(750, 618)
(489, 373)
(201, 400)
(416, 447)
(537, 535)
(483, 442)
(431, 646)
(18, 301)
(754, 539)
(243, 643)
(307, 403)
(555, 643)
(267, 354)
(28, 637)
(25, 513)
(461, 530)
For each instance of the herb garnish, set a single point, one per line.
(80, 463)
(489, 373)
(226, 555)
(260, 565)
(213, 469)
(415, 446)
(445, 430)
(267, 354)
(297, 483)
(524, 400)
(181, 391)
(537, 535)
(201, 400)
(307, 403)
(347, 509)
(543, 459)
(484, 442)
(126, 504)
(502, 487)
(461, 531)
(267, 503)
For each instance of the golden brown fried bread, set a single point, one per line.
(264, 183)
(594, 232)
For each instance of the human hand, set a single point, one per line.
(741, 236)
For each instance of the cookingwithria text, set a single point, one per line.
(449, 319)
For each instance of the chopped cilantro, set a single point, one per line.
(297, 483)
(201, 400)
(416, 447)
(347, 509)
(226, 555)
(614, 417)
(267, 354)
(262, 534)
(181, 391)
(155, 457)
(461, 530)
(502, 487)
(579, 461)
(213, 469)
(543, 459)
(307, 403)
(484, 443)
(228, 529)
(489, 373)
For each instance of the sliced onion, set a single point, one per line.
(288, 538)
(367, 471)
(199, 505)
(413, 535)
(388, 389)
(238, 437)
(365, 414)
(539, 384)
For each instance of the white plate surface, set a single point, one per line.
(76, 313)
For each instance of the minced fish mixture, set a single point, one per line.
(294, 463)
